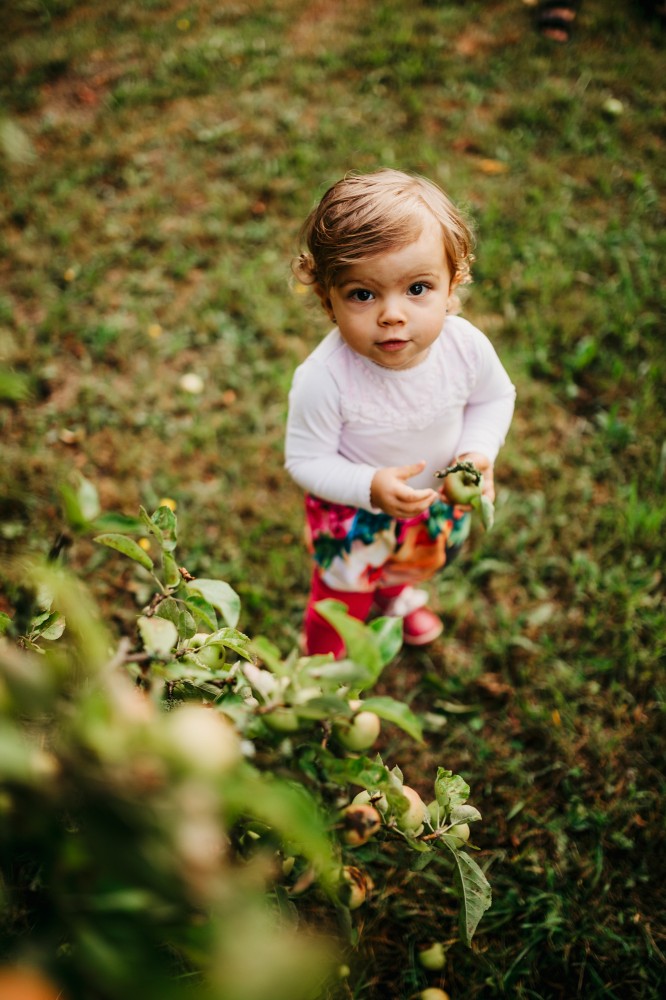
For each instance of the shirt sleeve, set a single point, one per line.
(314, 425)
(489, 409)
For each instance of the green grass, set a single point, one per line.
(177, 148)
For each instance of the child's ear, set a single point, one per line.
(325, 300)
(453, 305)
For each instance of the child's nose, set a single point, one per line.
(391, 311)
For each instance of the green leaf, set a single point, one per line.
(421, 861)
(166, 523)
(324, 707)
(451, 790)
(222, 597)
(396, 712)
(472, 889)
(341, 672)
(159, 636)
(487, 512)
(148, 523)
(14, 386)
(269, 654)
(231, 639)
(363, 647)
(5, 622)
(71, 507)
(354, 771)
(128, 547)
(52, 628)
(174, 612)
(118, 522)
(464, 814)
(388, 634)
(81, 503)
(287, 808)
(203, 611)
(171, 571)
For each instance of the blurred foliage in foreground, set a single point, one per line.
(163, 807)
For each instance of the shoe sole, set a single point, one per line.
(422, 640)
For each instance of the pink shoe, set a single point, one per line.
(421, 627)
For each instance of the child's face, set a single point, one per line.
(391, 308)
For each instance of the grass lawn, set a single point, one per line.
(156, 160)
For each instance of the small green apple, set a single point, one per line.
(282, 720)
(203, 737)
(360, 733)
(211, 656)
(376, 799)
(433, 957)
(412, 820)
(460, 831)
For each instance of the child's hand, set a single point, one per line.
(391, 494)
(485, 467)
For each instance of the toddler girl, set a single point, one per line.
(398, 389)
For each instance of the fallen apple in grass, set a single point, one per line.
(434, 993)
(433, 957)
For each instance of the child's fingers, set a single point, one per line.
(420, 496)
(405, 472)
(414, 502)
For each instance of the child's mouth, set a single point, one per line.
(392, 345)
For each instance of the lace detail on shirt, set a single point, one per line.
(415, 398)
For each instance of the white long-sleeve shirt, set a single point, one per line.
(349, 417)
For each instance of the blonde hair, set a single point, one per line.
(364, 215)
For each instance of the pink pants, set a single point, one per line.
(320, 637)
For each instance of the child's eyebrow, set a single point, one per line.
(409, 278)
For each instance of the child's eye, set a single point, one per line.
(361, 295)
(418, 288)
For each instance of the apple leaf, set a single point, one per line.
(158, 634)
(472, 889)
(387, 634)
(231, 639)
(396, 712)
(202, 611)
(128, 547)
(182, 619)
(171, 571)
(220, 595)
(451, 790)
(340, 672)
(362, 646)
(323, 707)
(464, 814)
(165, 521)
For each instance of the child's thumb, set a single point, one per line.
(407, 471)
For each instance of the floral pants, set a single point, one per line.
(360, 557)
(356, 550)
